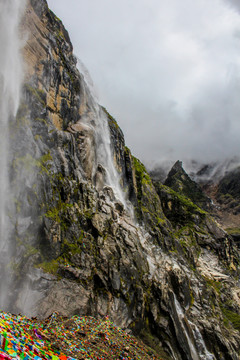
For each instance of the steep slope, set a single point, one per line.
(59, 337)
(179, 181)
(213, 187)
(228, 191)
(92, 234)
(221, 183)
(227, 197)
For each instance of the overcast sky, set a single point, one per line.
(167, 70)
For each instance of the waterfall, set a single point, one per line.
(10, 85)
(181, 328)
(100, 127)
(198, 350)
(105, 155)
(200, 344)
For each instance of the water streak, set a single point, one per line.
(181, 316)
(10, 85)
(200, 344)
(105, 155)
(98, 122)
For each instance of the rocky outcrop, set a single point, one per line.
(220, 182)
(93, 235)
(228, 191)
(179, 181)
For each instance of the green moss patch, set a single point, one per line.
(50, 267)
(111, 119)
(216, 285)
(232, 317)
(38, 94)
(233, 231)
(141, 172)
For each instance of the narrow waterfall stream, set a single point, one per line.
(10, 86)
(105, 156)
(180, 314)
(104, 153)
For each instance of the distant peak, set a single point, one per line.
(177, 169)
(177, 166)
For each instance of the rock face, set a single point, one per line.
(220, 181)
(179, 181)
(228, 191)
(93, 235)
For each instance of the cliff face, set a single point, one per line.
(179, 181)
(139, 252)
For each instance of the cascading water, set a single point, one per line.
(181, 328)
(103, 156)
(10, 85)
(204, 354)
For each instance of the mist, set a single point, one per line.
(169, 72)
(10, 89)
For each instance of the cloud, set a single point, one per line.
(168, 71)
(234, 3)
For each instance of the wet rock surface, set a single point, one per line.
(145, 255)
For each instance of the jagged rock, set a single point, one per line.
(119, 207)
(72, 299)
(228, 191)
(179, 181)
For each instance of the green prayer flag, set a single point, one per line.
(54, 357)
(6, 345)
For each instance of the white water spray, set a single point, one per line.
(10, 86)
(100, 128)
(105, 156)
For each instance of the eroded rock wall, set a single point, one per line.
(154, 262)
